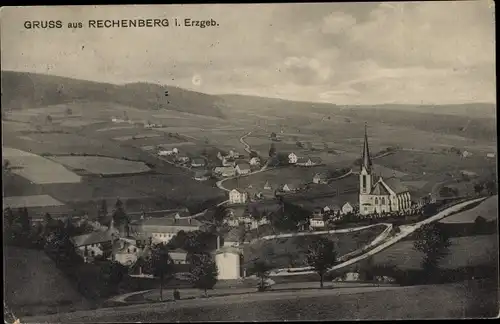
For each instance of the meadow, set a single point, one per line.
(102, 165)
(38, 169)
(30, 201)
(488, 209)
(34, 285)
(285, 252)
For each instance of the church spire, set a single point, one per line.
(366, 162)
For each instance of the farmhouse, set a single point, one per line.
(238, 196)
(383, 195)
(317, 220)
(202, 175)
(182, 158)
(95, 243)
(163, 229)
(491, 155)
(320, 178)
(308, 161)
(243, 168)
(166, 153)
(332, 209)
(198, 162)
(288, 187)
(267, 186)
(466, 154)
(292, 158)
(255, 161)
(347, 208)
(227, 171)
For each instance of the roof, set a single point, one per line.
(167, 221)
(395, 185)
(228, 249)
(241, 191)
(321, 175)
(198, 161)
(93, 238)
(379, 189)
(243, 166)
(366, 161)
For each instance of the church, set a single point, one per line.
(379, 195)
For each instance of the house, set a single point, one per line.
(166, 153)
(238, 196)
(332, 209)
(255, 161)
(288, 188)
(182, 158)
(198, 162)
(292, 158)
(347, 208)
(125, 251)
(95, 243)
(202, 175)
(220, 156)
(491, 155)
(162, 229)
(382, 195)
(229, 262)
(243, 168)
(227, 171)
(228, 161)
(235, 237)
(466, 154)
(267, 186)
(308, 161)
(320, 178)
(178, 256)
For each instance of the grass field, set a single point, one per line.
(136, 136)
(102, 165)
(471, 299)
(38, 169)
(33, 284)
(464, 251)
(293, 250)
(488, 209)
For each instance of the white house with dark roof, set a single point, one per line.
(243, 168)
(225, 171)
(320, 178)
(95, 243)
(238, 196)
(347, 208)
(379, 196)
(125, 251)
(267, 186)
(255, 161)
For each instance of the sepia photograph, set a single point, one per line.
(249, 162)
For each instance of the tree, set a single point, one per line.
(253, 154)
(321, 256)
(299, 144)
(8, 217)
(48, 119)
(434, 243)
(478, 188)
(204, 272)
(261, 269)
(272, 150)
(162, 265)
(69, 112)
(24, 220)
(6, 164)
(102, 211)
(218, 226)
(120, 217)
(491, 186)
(111, 275)
(273, 135)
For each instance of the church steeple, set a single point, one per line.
(366, 160)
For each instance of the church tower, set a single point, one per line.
(365, 179)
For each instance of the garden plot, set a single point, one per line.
(102, 165)
(31, 201)
(38, 169)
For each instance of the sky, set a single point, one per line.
(343, 53)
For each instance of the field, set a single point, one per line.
(137, 136)
(33, 284)
(30, 201)
(488, 209)
(292, 251)
(471, 300)
(38, 169)
(102, 165)
(464, 251)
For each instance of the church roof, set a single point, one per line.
(379, 189)
(366, 161)
(395, 185)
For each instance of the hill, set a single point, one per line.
(30, 90)
(34, 285)
(475, 121)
